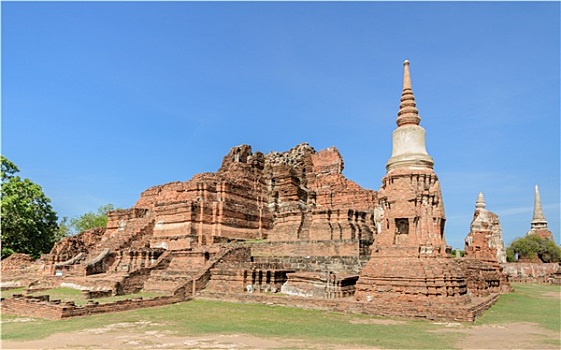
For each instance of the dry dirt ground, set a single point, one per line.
(132, 336)
(507, 336)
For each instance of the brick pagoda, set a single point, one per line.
(485, 239)
(484, 253)
(410, 266)
(539, 223)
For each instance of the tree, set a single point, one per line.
(86, 221)
(8, 168)
(534, 246)
(29, 223)
(64, 228)
(453, 252)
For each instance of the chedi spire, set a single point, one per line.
(408, 112)
(538, 226)
(480, 203)
(538, 219)
(409, 138)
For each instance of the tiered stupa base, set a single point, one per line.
(430, 284)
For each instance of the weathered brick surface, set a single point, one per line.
(16, 261)
(430, 311)
(69, 247)
(410, 264)
(320, 285)
(484, 277)
(485, 241)
(544, 233)
(250, 278)
(336, 256)
(531, 272)
(37, 306)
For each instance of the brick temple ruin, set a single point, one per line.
(533, 270)
(284, 228)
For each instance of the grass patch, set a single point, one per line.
(276, 321)
(535, 303)
(9, 292)
(64, 294)
(529, 303)
(212, 317)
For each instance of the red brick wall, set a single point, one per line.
(30, 306)
(529, 272)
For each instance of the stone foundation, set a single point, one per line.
(250, 278)
(484, 277)
(436, 312)
(320, 285)
(42, 307)
(532, 272)
(409, 280)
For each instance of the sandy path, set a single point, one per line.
(136, 336)
(132, 336)
(506, 336)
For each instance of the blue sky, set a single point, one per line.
(101, 100)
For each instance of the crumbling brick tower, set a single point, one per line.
(409, 264)
(485, 251)
(485, 239)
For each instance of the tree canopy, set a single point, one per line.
(532, 247)
(29, 223)
(85, 221)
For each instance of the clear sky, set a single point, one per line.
(101, 100)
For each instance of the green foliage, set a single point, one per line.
(510, 255)
(86, 221)
(64, 228)
(6, 293)
(8, 168)
(453, 252)
(29, 223)
(532, 247)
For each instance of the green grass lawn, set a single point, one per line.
(535, 303)
(9, 292)
(529, 303)
(212, 317)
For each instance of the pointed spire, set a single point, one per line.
(480, 203)
(538, 219)
(408, 113)
(408, 139)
